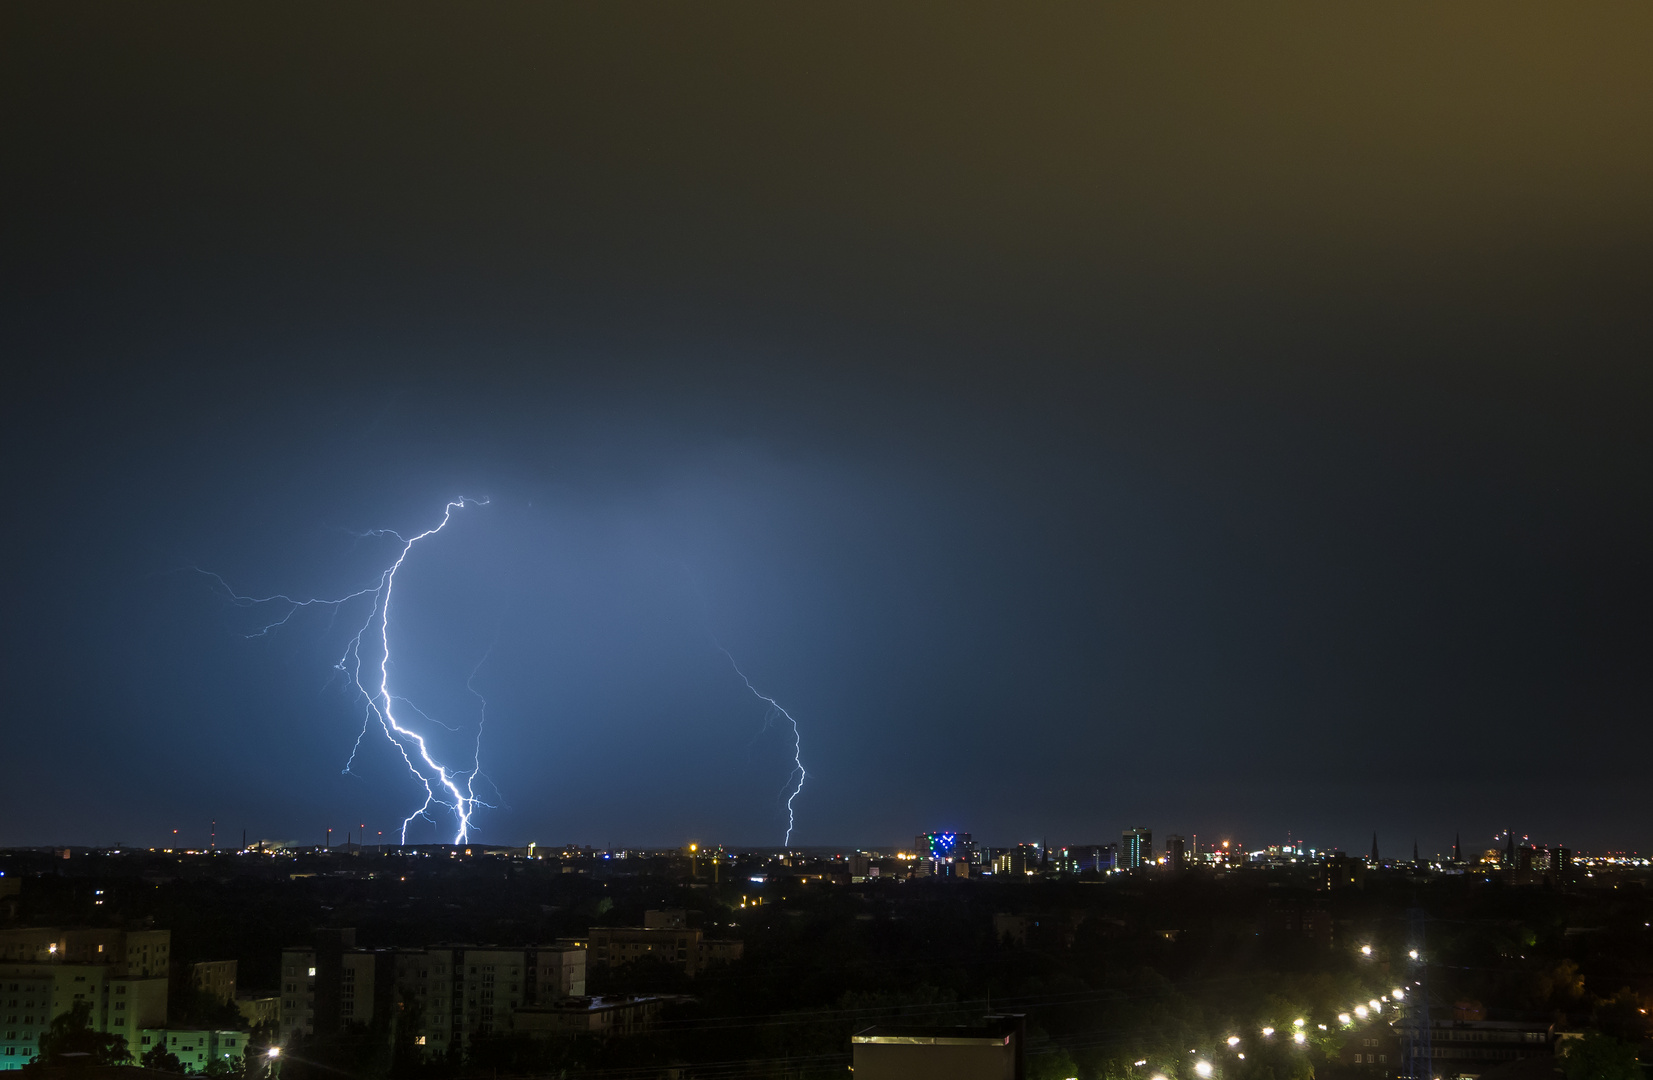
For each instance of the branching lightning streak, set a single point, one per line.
(795, 778)
(442, 784)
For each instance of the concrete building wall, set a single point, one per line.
(25, 1005)
(560, 973)
(298, 994)
(135, 1004)
(258, 1011)
(612, 946)
(356, 978)
(148, 953)
(216, 977)
(31, 995)
(195, 1047)
(31, 945)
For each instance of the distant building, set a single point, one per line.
(991, 1050)
(1136, 848)
(1087, 858)
(1339, 871)
(1376, 1049)
(1019, 861)
(216, 977)
(588, 1016)
(195, 1048)
(1175, 858)
(669, 919)
(257, 1010)
(1469, 1048)
(938, 845)
(459, 990)
(668, 939)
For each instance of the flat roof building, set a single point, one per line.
(992, 1050)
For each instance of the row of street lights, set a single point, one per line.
(1299, 1035)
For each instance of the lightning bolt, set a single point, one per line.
(442, 784)
(795, 778)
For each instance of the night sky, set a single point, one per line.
(1230, 420)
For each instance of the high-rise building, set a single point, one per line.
(1136, 848)
(936, 846)
(1087, 858)
(1175, 857)
(47, 971)
(457, 991)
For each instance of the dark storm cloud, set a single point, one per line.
(1232, 420)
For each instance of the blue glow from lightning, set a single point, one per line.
(797, 774)
(441, 784)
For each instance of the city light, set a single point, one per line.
(1398, 994)
(1299, 1037)
(273, 1052)
(1203, 1068)
(1234, 1040)
(1366, 950)
(1413, 954)
(1299, 1022)
(1344, 1018)
(1268, 1032)
(1374, 1005)
(1360, 1011)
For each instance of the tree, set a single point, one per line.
(71, 1033)
(1600, 1057)
(159, 1058)
(190, 1006)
